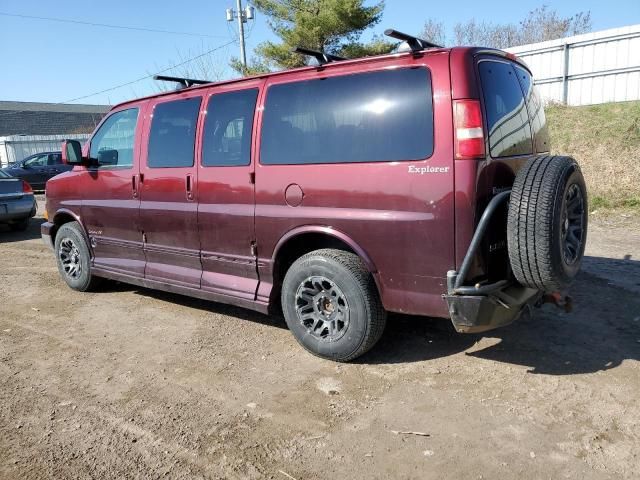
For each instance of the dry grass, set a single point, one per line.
(605, 139)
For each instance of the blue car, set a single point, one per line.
(17, 202)
(37, 169)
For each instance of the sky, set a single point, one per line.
(50, 61)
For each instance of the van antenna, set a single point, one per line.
(184, 82)
(415, 43)
(321, 57)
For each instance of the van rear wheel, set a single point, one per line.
(331, 305)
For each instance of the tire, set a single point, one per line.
(331, 305)
(20, 226)
(547, 223)
(73, 257)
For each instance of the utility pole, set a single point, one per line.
(243, 16)
(243, 53)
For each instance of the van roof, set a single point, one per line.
(465, 51)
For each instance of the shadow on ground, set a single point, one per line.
(9, 236)
(601, 332)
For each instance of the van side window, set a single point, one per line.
(536, 110)
(506, 112)
(172, 136)
(228, 129)
(381, 116)
(112, 145)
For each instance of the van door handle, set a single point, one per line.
(189, 185)
(135, 185)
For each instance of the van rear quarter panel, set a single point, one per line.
(402, 221)
(476, 180)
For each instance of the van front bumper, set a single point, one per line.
(46, 232)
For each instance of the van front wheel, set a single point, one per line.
(331, 305)
(73, 257)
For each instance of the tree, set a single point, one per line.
(332, 26)
(543, 24)
(200, 63)
(486, 34)
(434, 32)
(540, 24)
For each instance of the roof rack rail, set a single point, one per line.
(415, 43)
(184, 82)
(321, 57)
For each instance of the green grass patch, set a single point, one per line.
(597, 202)
(605, 140)
(633, 202)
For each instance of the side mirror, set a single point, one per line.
(72, 153)
(23, 165)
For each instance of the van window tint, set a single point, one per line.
(173, 133)
(506, 112)
(536, 110)
(228, 128)
(112, 145)
(370, 117)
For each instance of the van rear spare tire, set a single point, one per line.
(547, 223)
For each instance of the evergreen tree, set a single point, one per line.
(331, 26)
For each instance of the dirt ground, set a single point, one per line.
(132, 383)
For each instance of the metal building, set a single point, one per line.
(30, 127)
(587, 69)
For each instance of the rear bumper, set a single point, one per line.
(12, 209)
(482, 307)
(46, 231)
(479, 313)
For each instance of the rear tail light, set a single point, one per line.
(26, 188)
(469, 134)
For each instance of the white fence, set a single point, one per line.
(16, 147)
(586, 69)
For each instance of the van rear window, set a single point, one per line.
(371, 117)
(506, 111)
(536, 110)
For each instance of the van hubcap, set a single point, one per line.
(322, 308)
(572, 224)
(69, 255)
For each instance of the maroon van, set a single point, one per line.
(417, 182)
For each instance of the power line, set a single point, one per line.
(107, 25)
(150, 76)
(146, 77)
